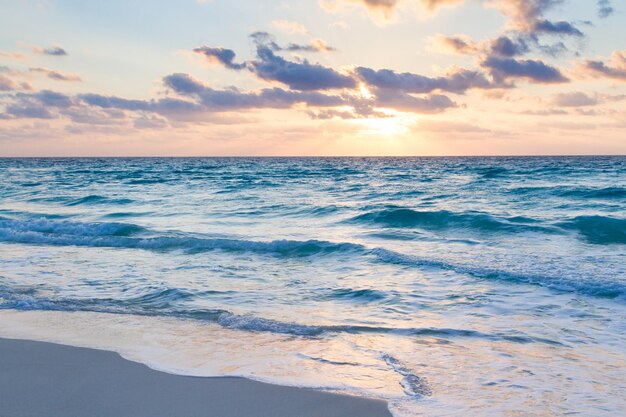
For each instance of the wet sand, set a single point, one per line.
(40, 379)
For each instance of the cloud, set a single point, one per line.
(380, 11)
(198, 100)
(234, 99)
(605, 9)
(27, 112)
(548, 112)
(289, 27)
(536, 71)
(449, 126)
(43, 104)
(386, 7)
(556, 28)
(12, 55)
(266, 40)
(316, 45)
(149, 122)
(400, 101)
(56, 75)
(524, 15)
(615, 70)
(53, 50)
(505, 46)
(458, 44)
(7, 84)
(434, 4)
(574, 99)
(457, 81)
(220, 55)
(297, 75)
(268, 66)
(112, 102)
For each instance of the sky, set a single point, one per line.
(312, 77)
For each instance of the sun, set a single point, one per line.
(392, 125)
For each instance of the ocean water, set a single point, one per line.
(447, 286)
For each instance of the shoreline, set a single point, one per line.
(43, 378)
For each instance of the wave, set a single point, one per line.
(30, 231)
(97, 199)
(595, 193)
(493, 172)
(413, 384)
(122, 235)
(598, 229)
(365, 294)
(593, 287)
(582, 193)
(163, 303)
(444, 219)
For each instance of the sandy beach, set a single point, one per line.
(40, 379)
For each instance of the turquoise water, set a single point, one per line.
(447, 286)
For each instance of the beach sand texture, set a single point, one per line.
(40, 379)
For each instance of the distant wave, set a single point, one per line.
(581, 193)
(43, 231)
(493, 172)
(444, 219)
(598, 230)
(122, 235)
(98, 199)
(599, 193)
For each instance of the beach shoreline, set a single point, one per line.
(43, 379)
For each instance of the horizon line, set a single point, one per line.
(308, 156)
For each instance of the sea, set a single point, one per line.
(447, 286)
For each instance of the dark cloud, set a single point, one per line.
(605, 9)
(303, 75)
(615, 70)
(455, 82)
(298, 75)
(537, 71)
(43, 104)
(112, 102)
(27, 112)
(183, 84)
(505, 46)
(220, 55)
(232, 98)
(50, 98)
(53, 50)
(56, 75)
(556, 28)
(202, 99)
